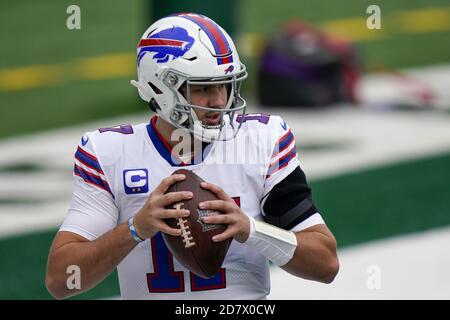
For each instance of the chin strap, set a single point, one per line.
(201, 133)
(277, 244)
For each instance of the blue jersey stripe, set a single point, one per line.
(88, 160)
(285, 142)
(162, 149)
(91, 179)
(282, 162)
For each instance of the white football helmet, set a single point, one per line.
(188, 49)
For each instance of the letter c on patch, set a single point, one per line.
(135, 181)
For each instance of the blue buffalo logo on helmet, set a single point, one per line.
(169, 43)
(229, 69)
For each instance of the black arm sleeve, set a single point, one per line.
(289, 202)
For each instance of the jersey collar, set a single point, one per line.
(165, 150)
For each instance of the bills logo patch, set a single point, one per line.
(135, 181)
(166, 44)
(229, 69)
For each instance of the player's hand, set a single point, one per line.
(149, 220)
(237, 221)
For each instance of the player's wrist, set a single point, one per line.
(245, 233)
(134, 231)
(277, 244)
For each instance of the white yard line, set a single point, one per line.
(20, 219)
(366, 138)
(409, 267)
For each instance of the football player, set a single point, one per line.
(189, 73)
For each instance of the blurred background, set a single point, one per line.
(368, 101)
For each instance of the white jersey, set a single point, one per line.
(117, 168)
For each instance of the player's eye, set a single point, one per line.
(208, 88)
(199, 89)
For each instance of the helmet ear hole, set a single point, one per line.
(155, 88)
(154, 106)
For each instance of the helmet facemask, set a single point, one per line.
(183, 114)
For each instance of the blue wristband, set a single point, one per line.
(133, 231)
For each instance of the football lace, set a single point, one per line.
(185, 233)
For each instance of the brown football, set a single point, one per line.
(195, 248)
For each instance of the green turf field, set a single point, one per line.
(379, 203)
(62, 106)
(35, 34)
